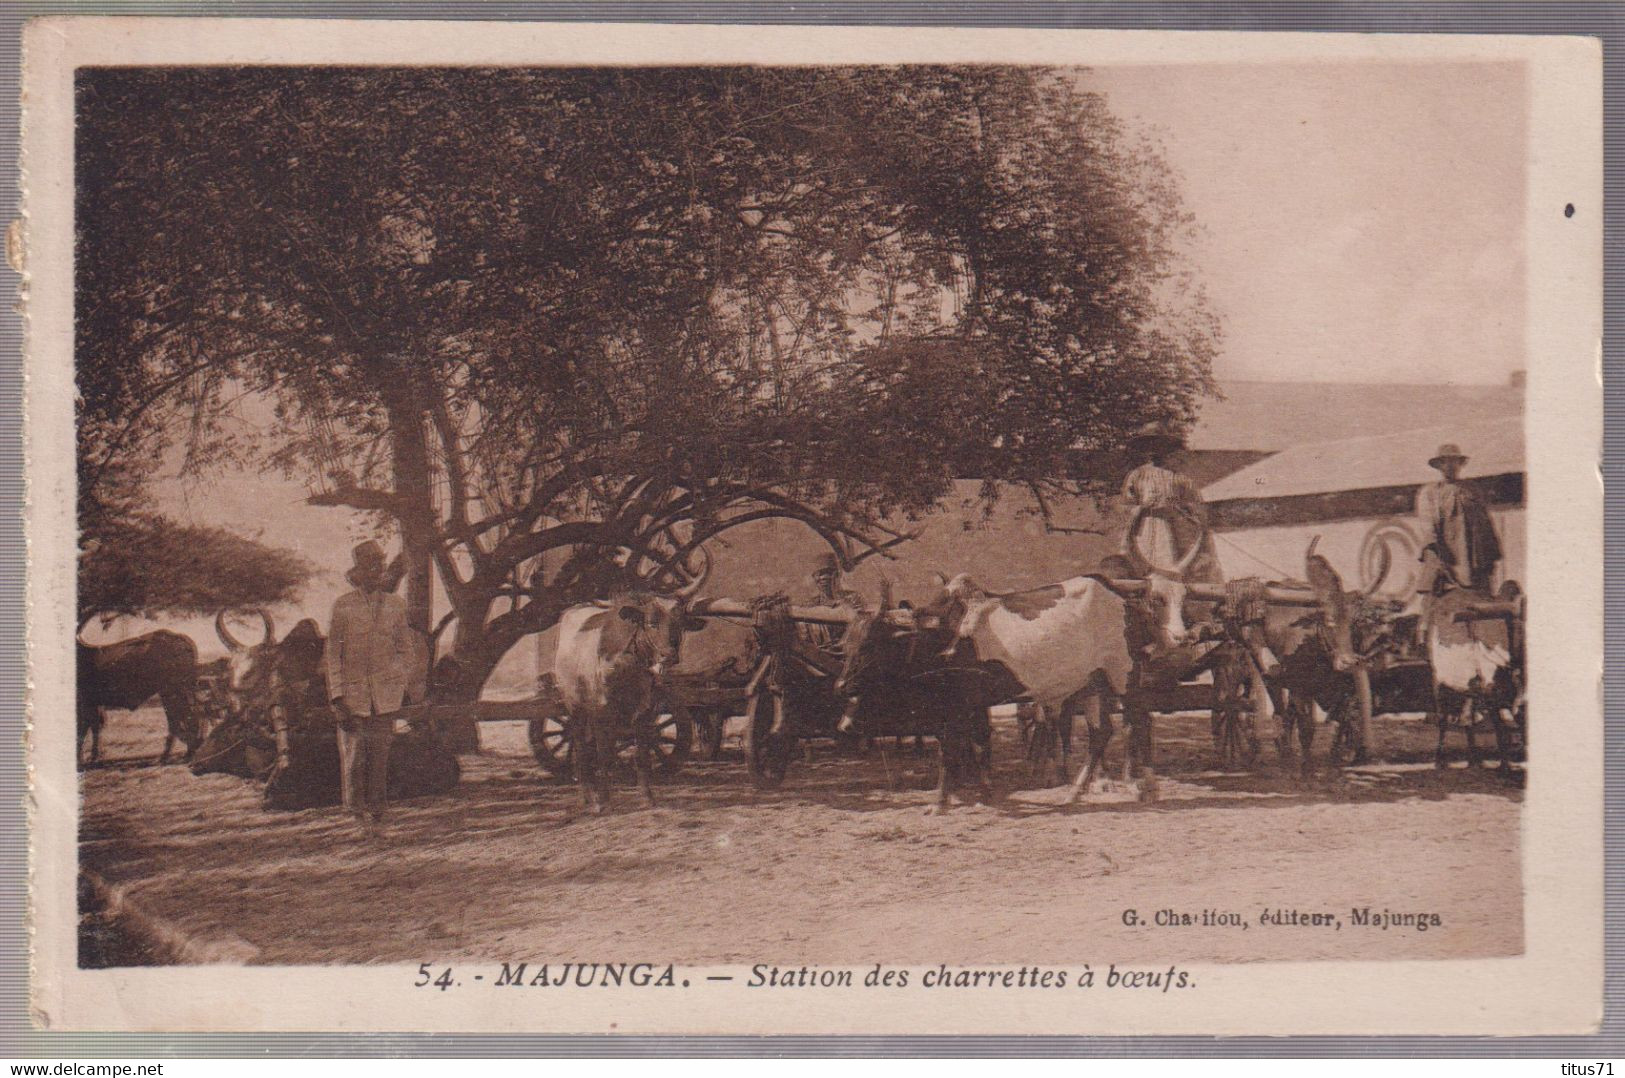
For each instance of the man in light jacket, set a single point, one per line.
(370, 654)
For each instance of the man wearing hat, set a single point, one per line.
(370, 653)
(827, 591)
(1458, 524)
(1173, 524)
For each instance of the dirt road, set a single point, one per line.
(834, 867)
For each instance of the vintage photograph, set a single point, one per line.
(581, 524)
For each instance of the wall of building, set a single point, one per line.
(1350, 545)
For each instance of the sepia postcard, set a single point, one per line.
(722, 529)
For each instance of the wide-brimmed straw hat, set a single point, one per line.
(1156, 437)
(1447, 451)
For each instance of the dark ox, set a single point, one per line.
(255, 671)
(281, 728)
(127, 674)
(1290, 659)
(915, 667)
(266, 688)
(609, 659)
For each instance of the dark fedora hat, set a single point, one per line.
(365, 557)
(1447, 451)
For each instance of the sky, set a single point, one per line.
(1359, 222)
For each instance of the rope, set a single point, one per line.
(1281, 574)
(1245, 600)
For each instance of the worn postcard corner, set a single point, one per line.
(666, 529)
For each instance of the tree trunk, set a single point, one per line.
(409, 454)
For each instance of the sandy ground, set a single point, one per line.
(836, 867)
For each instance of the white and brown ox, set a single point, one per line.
(1476, 657)
(1076, 645)
(610, 658)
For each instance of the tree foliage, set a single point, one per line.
(149, 566)
(566, 325)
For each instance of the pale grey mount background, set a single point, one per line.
(1605, 21)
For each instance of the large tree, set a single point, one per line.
(564, 326)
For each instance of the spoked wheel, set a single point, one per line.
(769, 753)
(708, 725)
(674, 737)
(1042, 746)
(1026, 721)
(1237, 743)
(1346, 748)
(550, 744)
(1234, 737)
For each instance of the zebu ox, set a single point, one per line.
(1477, 661)
(266, 687)
(281, 727)
(1292, 659)
(1067, 647)
(610, 656)
(900, 663)
(126, 674)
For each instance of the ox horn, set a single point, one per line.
(231, 642)
(270, 626)
(1385, 562)
(885, 593)
(696, 581)
(1307, 554)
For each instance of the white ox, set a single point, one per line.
(1071, 646)
(609, 659)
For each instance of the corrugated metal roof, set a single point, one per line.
(1493, 446)
(1275, 415)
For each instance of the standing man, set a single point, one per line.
(369, 665)
(1458, 524)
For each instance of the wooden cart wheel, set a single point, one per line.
(674, 736)
(710, 724)
(1345, 748)
(1235, 737)
(768, 754)
(550, 744)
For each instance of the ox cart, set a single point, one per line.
(690, 712)
(791, 694)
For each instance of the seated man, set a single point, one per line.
(826, 578)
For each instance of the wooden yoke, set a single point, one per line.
(1213, 593)
(734, 608)
(840, 615)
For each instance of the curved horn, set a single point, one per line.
(270, 626)
(697, 580)
(1307, 554)
(1385, 562)
(1190, 555)
(231, 642)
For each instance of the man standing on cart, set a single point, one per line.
(1168, 532)
(1458, 524)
